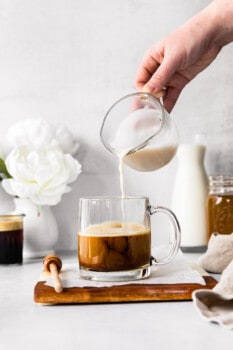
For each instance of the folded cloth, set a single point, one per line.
(219, 253)
(225, 285)
(216, 305)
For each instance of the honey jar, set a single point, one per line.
(220, 205)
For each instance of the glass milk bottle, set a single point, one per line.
(189, 195)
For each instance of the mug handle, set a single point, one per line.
(176, 234)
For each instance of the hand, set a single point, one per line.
(172, 63)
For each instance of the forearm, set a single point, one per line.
(216, 21)
(223, 10)
(209, 30)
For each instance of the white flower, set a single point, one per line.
(41, 174)
(37, 133)
(65, 140)
(40, 161)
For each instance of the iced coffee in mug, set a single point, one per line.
(114, 238)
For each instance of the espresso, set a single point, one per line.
(11, 240)
(114, 246)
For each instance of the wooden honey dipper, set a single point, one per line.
(53, 264)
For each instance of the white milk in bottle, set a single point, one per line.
(190, 194)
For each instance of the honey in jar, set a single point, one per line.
(220, 205)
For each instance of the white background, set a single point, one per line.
(68, 60)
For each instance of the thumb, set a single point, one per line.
(159, 80)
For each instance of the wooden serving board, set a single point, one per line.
(118, 294)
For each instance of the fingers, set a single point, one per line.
(165, 82)
(146, 69)
(163, 74)
(148, 81)
(160, 74)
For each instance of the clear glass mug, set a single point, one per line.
(114, 238)
(138, 128)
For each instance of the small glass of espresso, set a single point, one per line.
(11, 239)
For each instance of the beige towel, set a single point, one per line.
(216, 305)
(219, 253)
(225, 285)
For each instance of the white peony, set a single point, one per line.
(37, 133)
(41, 174)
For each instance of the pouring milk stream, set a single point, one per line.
(132, 134)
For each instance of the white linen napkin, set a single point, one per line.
(178, 271)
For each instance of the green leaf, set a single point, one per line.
(3, 169)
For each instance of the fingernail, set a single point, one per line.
(146, 89)
(157, 94)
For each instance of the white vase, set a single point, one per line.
(40, 228)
